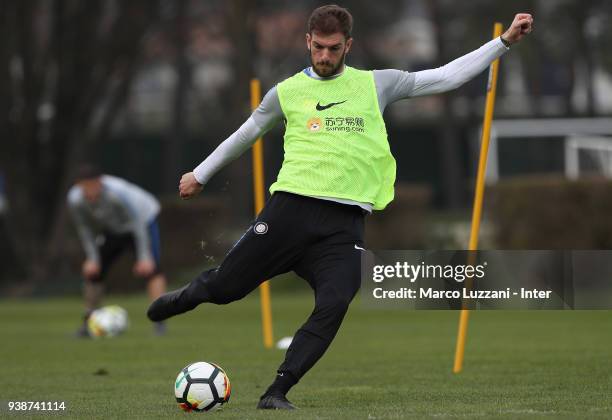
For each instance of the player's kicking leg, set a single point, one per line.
(270, 246)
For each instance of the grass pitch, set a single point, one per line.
(382, 365)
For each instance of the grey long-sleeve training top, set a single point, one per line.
(121, 208)
(391, 85)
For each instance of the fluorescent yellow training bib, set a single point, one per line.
(335, 140)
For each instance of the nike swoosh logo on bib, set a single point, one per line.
(324, 107)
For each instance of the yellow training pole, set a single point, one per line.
(478, 197)
(258, 188)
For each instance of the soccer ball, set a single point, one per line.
(108, 321)
(202, 386)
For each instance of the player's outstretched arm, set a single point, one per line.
(465, 68)
(263, 118)
(394, 85)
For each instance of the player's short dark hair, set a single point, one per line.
(87, 171)
(331, 19)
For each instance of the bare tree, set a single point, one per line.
(70, 64)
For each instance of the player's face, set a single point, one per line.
(91, 189)
(327, 52)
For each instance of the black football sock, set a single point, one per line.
(281, 385)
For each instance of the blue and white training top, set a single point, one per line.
(121, 208)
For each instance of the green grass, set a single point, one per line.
(383, 364)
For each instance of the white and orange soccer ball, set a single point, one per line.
(202, 386)
(108, 321)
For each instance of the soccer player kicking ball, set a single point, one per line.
(112, 215)
(337, 168)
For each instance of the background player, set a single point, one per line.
(112, 215)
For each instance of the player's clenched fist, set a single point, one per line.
(521, 26)
(189, 186)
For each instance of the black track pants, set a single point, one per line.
(317, 239)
